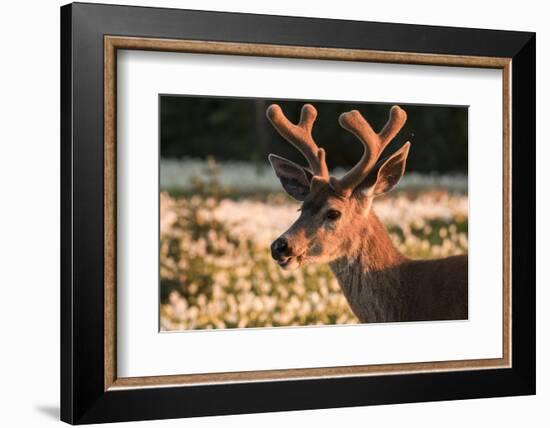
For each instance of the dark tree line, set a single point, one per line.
(237, 129)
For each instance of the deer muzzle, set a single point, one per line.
(283, 253)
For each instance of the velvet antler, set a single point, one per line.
(374, 144)
(300, 136)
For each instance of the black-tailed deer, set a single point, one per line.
(338, 226)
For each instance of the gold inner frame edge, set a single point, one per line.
(113, 43)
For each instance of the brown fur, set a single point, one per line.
(382, 285)
(379, 283)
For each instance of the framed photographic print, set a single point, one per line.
(265, 213)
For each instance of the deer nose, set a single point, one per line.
(279, 248)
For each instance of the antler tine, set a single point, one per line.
(373, 143)
(396, 121)
(300, 135)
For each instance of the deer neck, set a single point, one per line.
(370, 275)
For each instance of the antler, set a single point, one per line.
(374, 145)
(300, 136)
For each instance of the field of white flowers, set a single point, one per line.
(181, 174)
(216, 268)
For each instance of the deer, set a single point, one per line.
(338, 226)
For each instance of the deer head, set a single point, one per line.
(333, 210)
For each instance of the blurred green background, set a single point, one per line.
(237, 129)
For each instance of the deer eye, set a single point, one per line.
(333, 215)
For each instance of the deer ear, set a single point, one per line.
(386, 173)
(294, 178)
(391, 171)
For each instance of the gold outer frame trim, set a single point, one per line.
(113, 43)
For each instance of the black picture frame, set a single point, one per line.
(83, 398)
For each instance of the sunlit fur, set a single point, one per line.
(380, 283)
